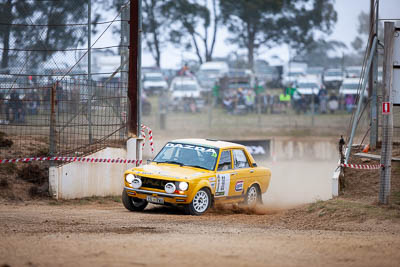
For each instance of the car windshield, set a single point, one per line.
(188, 155)
(333, 73)
(153, 78)
(295, 73)
(350, 86)
(185, 87)
(307, 85)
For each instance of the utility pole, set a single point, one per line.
(373, 77)
(387, 120)
(134, 93)
(90, 84)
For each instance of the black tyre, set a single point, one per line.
(253, 196)
(132, 203)
(200, 203)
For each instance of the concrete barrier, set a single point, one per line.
(80, 179)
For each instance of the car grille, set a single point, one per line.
(154, 183)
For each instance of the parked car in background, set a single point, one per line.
(210, 72)
(185, 93)
(195, 173)
(293, 75)
(350, 86)
(353, 72)
(154, 83)
(333, 78)
(316, 72)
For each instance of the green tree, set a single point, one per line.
(258, 23)
(194, 24)
(11, 12)
(42, 41)
(360, 42)
(155, 27)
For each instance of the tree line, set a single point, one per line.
(192, 25)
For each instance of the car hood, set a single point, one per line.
(154, 83)
(170, 171)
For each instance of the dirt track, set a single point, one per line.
(108, 235)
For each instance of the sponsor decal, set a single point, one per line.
(211, 179)
(223, 182)
(239, 186)
(212, 184)
(197, 148)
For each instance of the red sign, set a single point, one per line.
(385, 107)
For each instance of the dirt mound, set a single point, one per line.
(23, 181)
(364, 184)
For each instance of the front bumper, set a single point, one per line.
(169, 198)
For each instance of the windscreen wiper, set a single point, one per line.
(171, 162)
(196, 166)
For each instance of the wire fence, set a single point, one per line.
(51, 102)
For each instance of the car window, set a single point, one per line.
(239, 159)
(225, 162)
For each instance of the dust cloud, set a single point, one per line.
(298, 182)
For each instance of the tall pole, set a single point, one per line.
(373, 77)
(387, 120)
(134, 69)
(89, 84)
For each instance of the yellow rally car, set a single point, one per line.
(196, 173)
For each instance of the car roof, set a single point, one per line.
(208, 142)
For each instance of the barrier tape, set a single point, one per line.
(73, 159)
(89, 160)
(150, 133)
(362, 167)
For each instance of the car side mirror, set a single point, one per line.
(149, 161)
(254, 164)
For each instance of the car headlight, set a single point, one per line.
(170, 188)
(129, 178)
(183, 186)
(136, 183)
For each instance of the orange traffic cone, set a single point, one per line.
(366, 148)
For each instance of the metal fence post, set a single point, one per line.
(387, 120)
(52, 143)
(90, 92)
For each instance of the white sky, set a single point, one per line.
(345, 30)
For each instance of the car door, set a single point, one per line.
(224, 173)
(242, 173)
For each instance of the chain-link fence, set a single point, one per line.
(54, 98)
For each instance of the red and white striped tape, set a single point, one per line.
(73, 159)
(150, 133)
(362, 167)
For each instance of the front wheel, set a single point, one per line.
(200, 203)
(132, 203)
(253, 196)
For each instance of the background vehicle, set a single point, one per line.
(185, 94)
(210, 72)
(154, 82)
(333, 78)
(293, 75)
(353, 71)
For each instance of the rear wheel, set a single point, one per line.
(253, 196)
(200, 203)
(133, 203)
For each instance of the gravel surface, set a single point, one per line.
(105, 234)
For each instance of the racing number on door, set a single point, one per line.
(224, 174)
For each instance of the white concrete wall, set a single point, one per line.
(77, 179)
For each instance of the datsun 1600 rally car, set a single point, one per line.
(195, 173)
